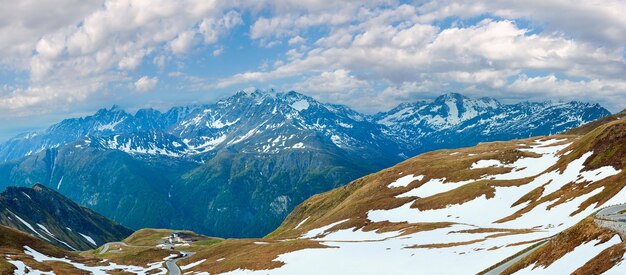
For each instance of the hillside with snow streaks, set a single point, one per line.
(466, 211)
(45, 214)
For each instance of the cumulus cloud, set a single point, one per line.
(145, 83)
(76, 41)
(400, 49)
(296, 40)
(384, 51)
(595, 21)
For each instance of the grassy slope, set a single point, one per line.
(12, 244)
(565, 242)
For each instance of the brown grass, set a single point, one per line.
(563, 243)
(245, 254)
(603, 261)
(444, 245)
(6, 267)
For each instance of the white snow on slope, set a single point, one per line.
(171, 256)
(405, 181)
(302, 222)
(28, 225)
(192, 265)
(572, 260)
(433, 187)
(96, 270)
(298, 145)
(54, 237)
(60, 182)
(208, 145)
(391, 256)
(218, 124)
(45, 229)
(89, 239)
(484, 163)
(110, 126)
(383, 253)
(300, 105)
(318, 231)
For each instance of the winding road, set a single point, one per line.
(171, 266)
(507, 264)
(106, 246)
(611, 218)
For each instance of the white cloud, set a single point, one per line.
(296, 40)
(183, 43)
(145, 84)
(75, 41)
(333, 82)
(393, 48)
(595, 21)
(218, 51)
(72, 51)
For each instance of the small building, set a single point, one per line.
(179, 237)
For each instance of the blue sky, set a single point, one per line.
(68, 58)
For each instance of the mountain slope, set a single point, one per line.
(49, 216)
(130, 191)
(474, 207)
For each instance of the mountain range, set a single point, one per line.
(239, 166)
(541, 205)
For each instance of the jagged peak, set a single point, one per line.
(114, 109)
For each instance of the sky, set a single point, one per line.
(68, 58)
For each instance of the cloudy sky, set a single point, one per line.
(65, 58)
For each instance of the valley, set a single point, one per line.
(236, 168)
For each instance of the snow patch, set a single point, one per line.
(302, 222)
(433, 187)
(405, 181)
(485, 163)
(192, 265)
(300, 105)
(89, 239)
(318, 231)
